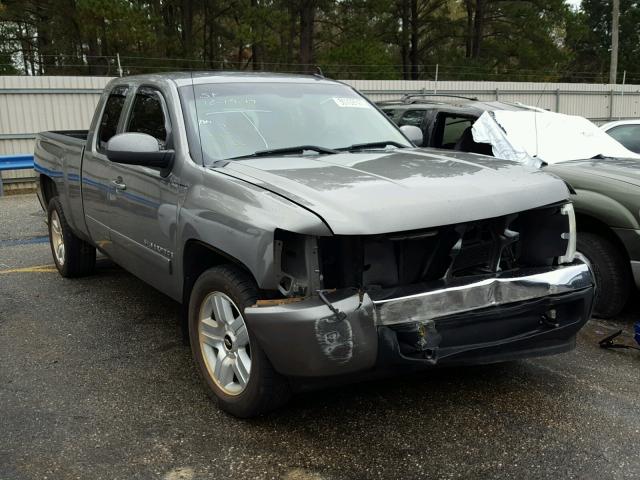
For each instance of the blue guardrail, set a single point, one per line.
(22, 161)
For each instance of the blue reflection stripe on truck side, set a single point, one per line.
(96, 184)
(140, 199)
(132, 196)
(74, 177)
(46, 171)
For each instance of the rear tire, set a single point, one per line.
(612, 273)
(73, 256)
(232, 365)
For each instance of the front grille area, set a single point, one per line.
(528, 239)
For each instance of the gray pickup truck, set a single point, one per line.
(306, 236)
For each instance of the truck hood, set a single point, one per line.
(398, 190)
(625, 170)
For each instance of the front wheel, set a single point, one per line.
(611, 272)
(233, 367)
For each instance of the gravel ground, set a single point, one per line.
(95, 382)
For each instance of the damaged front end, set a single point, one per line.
(476, 292)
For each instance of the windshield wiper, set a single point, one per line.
(372, 145)
(285, 150)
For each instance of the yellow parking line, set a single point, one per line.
(34, 269)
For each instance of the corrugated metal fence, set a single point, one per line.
(32, 104)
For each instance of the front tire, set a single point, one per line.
(611, 271)
(73, 256)
(233, 367)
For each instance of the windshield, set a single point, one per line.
(240, 119)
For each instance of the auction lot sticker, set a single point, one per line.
(353, 102)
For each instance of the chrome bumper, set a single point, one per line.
(488, 292)
(307, 338)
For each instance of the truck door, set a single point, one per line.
(96, 170)
(143, 224)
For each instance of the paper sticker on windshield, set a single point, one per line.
(353, 102)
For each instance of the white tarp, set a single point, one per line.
(535, 136)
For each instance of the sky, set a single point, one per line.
(574, 3)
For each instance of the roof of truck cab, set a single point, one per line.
(186, 78)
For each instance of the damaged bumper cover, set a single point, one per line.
(473, 320)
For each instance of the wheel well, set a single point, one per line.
(48, 188)
(586, 223)
(198, 257)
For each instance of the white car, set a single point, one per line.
(627, 132)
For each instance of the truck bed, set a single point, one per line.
(58, 156)
(77, 134)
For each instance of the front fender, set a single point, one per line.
(239, 219)
(604, 208)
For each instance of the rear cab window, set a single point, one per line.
(110, 119)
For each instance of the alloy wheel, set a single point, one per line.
(57, 239)
(224, 342)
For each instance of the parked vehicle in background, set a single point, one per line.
(627, 132)
(605, 190)
(307, 237)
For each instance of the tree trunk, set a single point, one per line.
(615, 21)
(206, 28)
(293, 31)
(404, 39)
(93, 60)
(255, 47)
(104, 46)
(209, 40)
(187, 31)
(469, 32)
(478, 28)
(413, 54)
(168, 20)
(47, 60)
(307, 24)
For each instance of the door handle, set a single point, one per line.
(119, 184)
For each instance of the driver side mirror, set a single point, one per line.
(138, 149)
(413, 133)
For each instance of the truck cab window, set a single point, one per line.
(454, 128)
(454, 132)
(148, 116)
(389, 113)
(111, 116)
(412, 117)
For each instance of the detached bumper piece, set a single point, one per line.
(475, 320)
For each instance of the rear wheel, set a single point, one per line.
(73, 256)
(611, 271)
(234, 368)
